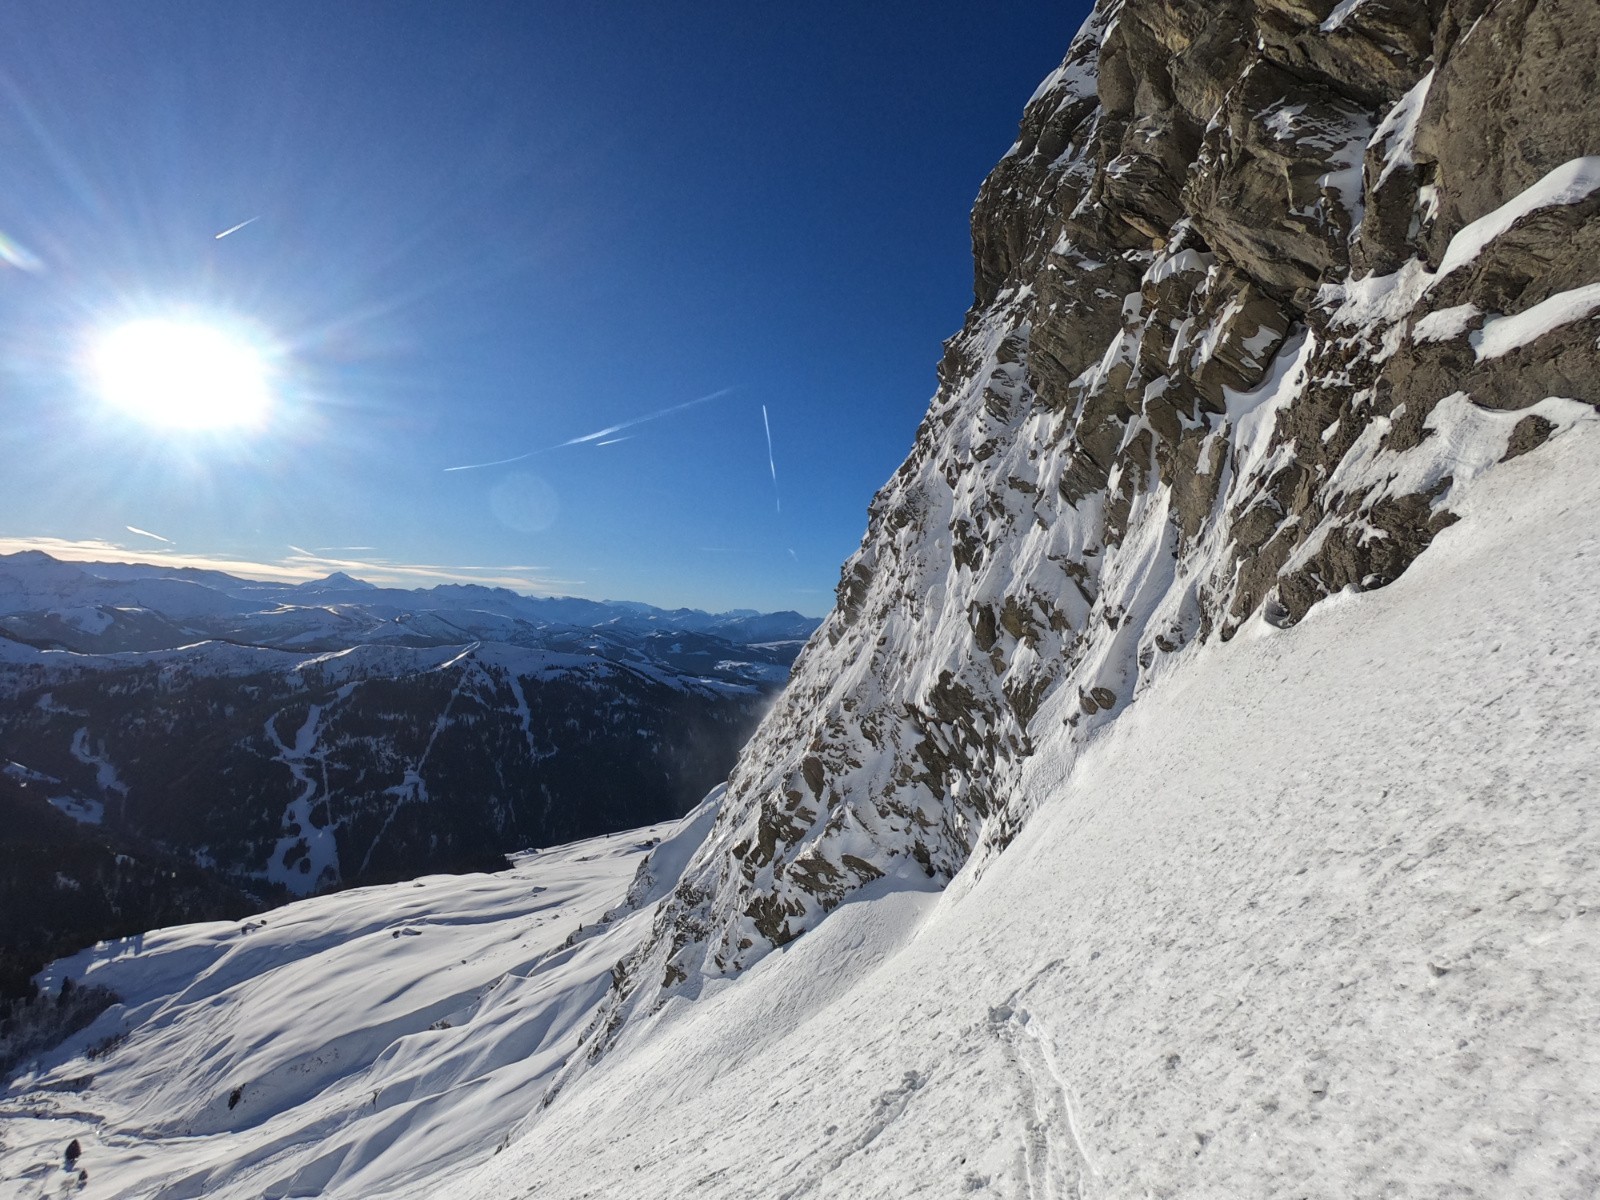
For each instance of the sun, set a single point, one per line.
(182, 374)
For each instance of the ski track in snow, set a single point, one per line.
(524, 715)
(105, 772)
(1051, 1167)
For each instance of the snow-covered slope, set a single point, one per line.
(1317, 916)
(354, 1043)
(1193, 790)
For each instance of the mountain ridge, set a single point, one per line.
(262, 741)
(25, 574)
(1248, 317)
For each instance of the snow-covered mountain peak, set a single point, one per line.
(338, 581)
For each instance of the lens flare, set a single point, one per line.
(182, 374)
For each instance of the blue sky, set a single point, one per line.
(483, 230)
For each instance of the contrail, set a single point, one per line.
(499, 462)
(614, 441)
(236, 228)
(147, 533)
(598, 434)
(771, 465)
(655, 416)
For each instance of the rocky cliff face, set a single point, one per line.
(1259, 283)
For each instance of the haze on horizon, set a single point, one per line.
(635, 268)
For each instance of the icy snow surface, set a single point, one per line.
(1315, 916)
(1340, 14)
(1445, 324)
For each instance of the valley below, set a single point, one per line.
(262, 742)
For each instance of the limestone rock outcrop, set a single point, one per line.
(1259, 283)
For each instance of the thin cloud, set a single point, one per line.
(598, 434)
(76, 549)
(98, 550)
(147, 533)
(771, 463)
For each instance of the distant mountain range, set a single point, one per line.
(100, 608)
(285, 739)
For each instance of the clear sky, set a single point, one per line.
(481, 230)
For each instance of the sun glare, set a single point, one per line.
(182, 374)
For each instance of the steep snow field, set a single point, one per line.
(1317, 916)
